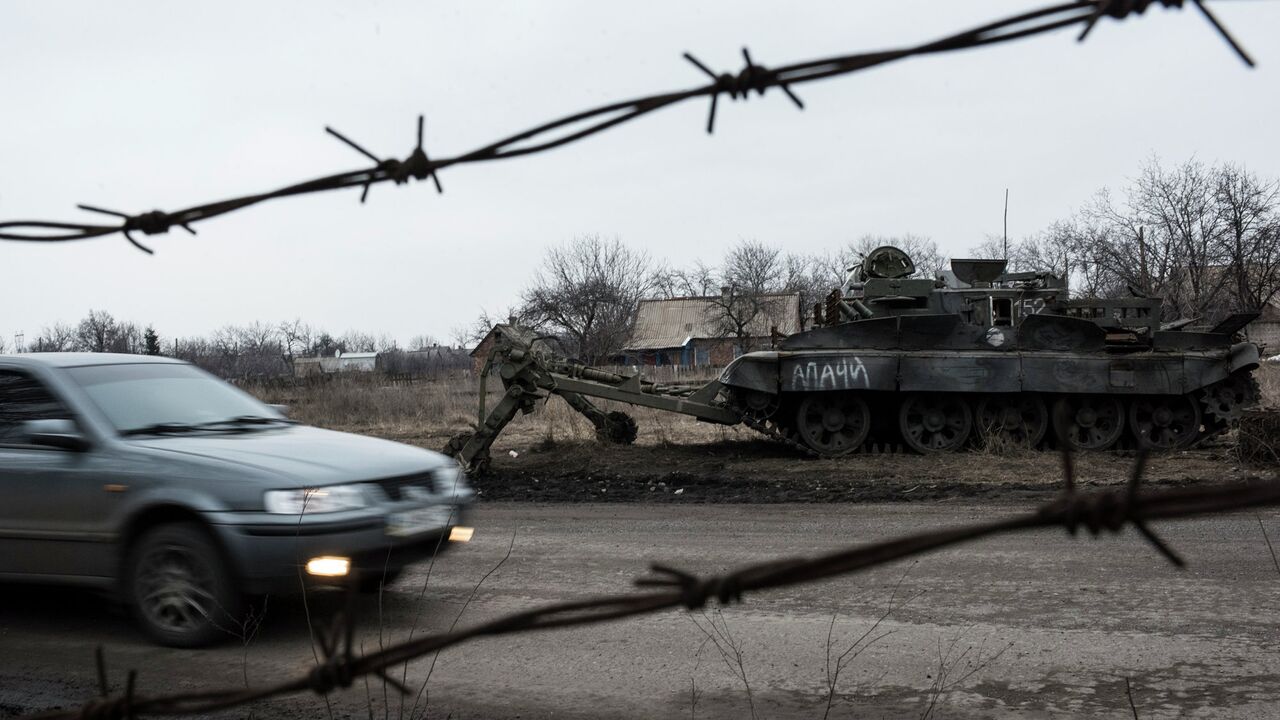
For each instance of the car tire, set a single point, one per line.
(179, 587)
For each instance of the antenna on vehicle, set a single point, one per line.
(1006, 223)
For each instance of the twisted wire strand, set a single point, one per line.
(578, 126)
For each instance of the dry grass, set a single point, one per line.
(430, 412)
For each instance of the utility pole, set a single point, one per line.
(1006, 223)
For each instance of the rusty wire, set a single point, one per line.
(571, 128)
(671, 588)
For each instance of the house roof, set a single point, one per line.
(669, 323)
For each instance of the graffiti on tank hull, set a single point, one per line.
(1033, 306)
(840, 374)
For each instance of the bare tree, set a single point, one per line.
(58, 337)
(1052, 250)
(813, 276)
(1176, 209)
(257, 338)
(1248, 210)
(751, 270)
(356, 341)
(100, 332)
(420, 342)
(1202, 238)
(96, 332)
(297, 337)
(753, 266)
(696, 281)
(587, 291)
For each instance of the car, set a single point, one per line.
(187, 497)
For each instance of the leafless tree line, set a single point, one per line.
(252, 350)
(1206, 238)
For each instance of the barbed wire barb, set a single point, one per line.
(1222, 30)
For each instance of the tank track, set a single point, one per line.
(782, 434)
(1212, 424)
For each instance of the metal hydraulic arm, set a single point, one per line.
(531, 370)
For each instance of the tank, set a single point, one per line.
(979, 354)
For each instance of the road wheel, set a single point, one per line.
(833, 423)
(180, 589)
(1165, 423)
(1089, 422)
(935, 422)
(1019, 419)
(619, 429)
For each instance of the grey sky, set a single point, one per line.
(145, 105)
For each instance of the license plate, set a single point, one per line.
(419, 520)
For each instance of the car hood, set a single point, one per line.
(303, 456)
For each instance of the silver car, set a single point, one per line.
(149, 477)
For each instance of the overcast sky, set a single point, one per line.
(144, 105)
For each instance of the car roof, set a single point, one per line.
(80, 359)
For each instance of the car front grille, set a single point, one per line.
(394, 486)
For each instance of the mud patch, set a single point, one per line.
(765, 472)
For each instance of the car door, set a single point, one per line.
(52, 506)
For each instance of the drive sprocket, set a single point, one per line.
(1225, 401)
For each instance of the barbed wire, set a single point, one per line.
(673, 588)
(572, 128)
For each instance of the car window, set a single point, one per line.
(139, 395)
(23, 398)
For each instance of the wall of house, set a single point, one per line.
(1264, 332)
(480, 355)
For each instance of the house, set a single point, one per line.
(692, 331)
(480, 355)
(340, 362)
(432, 360)
(1266, 329)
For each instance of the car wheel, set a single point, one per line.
(179, 588)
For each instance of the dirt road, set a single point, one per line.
(1029, 626)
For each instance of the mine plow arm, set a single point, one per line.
(531, 370)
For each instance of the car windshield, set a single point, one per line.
(168, 398)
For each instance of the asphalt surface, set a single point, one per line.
(1036, 625)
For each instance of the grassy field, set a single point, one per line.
(428, 411)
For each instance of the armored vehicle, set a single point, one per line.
(980, 353)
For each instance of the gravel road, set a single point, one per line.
(1031, 626)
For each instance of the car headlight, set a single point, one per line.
(315, 500)
(449, 479)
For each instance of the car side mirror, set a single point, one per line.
(56, 433)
